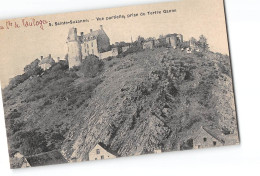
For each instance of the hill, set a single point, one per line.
(134, 104)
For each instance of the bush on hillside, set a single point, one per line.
(133, 49)
(91, 66)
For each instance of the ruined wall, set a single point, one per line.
(125, 48)
(112, 53)
(148, 45)
(180, 38)
(172, 41)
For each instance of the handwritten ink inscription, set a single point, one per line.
(24, 23)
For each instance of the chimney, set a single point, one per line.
(41, 57)
(82, 33)
(101, 27)
(91, 30)
(49, 56)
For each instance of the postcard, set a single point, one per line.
(117, 82)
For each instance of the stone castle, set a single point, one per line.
(97, 43)
(94, 43)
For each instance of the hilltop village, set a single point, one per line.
(97, 43)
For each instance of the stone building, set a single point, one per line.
(125, 48)
(174, 40)
(47, 62)
(202, 137)
(148, 44)
(20, 161)
(101, 151)
(93, 43)
(206, 138)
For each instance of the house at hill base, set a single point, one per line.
(203, 138)
(206, 138)
(157, 151)
(47, 62)
(20, 161)
(100, 152)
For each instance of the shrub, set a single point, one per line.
(133, 49)
(91, 66)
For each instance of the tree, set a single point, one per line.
(31, 142)
(203, 43)
(91, 66)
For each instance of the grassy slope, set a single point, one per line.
(138, 103)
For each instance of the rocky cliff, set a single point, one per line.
(136, 104)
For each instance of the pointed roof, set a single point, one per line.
(107, 148)
(215, 133)
(93, 34)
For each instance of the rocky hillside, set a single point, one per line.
(135, 104)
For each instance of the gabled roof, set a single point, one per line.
(48, 158)
(215, 133)
(93, 34)
(107, 148)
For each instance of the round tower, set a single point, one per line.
(74, 48)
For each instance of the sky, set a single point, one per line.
(20, 46)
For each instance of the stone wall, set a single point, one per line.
(148, 45)
(112, 53)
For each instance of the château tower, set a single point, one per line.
(74, 48)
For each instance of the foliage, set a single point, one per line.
(202, 43)
(91, 66)
(133, 49)
(30, 70)
(32, 142)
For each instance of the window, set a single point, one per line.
(204, 139)
(198, 146)
(98, 151)
(95, 158)
(92, 51)
(85, 50)
(87, 45)
(92, 44)
(214, 143)
(102, 157)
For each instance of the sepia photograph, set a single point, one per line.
(117, 82)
